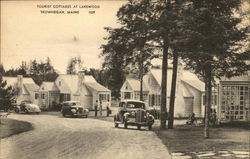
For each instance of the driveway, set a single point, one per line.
(56, 137)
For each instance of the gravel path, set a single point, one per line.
(72, 138)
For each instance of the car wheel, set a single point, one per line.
(138, 127)
(86, 116)
(63, 114)
(125, 124)
(116, 125)
(37, 113)
(26, 111)
(17, 110)
(149, 127)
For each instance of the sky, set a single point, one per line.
(26, 34)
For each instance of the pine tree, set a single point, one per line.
(7, 95)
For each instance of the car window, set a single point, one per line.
(135, 105)
(76, 104)
(121, 104)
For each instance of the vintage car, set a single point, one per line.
(74, 108)
(27, 107)
(132, 112)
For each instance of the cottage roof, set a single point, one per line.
(31, 87)
(28, 84)
(185, 75)
(48, 86)
(186, 92)
(157, 75)
(13, 80)
(191, 79)
(97, 87)
(238, 78)
(135, 84)
(71, 84)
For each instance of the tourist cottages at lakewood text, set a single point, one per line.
(189, 91)
(81, 87)
(26, 88)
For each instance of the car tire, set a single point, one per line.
(116, 125)
(86, 116)
(17, 110)
(63, 114)
(37, 113)
(149, 127)
(125, 124)
(26, 111)
(139, 127)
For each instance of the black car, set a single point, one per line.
(133, 112)
(74, 108)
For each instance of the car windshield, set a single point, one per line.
(26, 102)
(135, 105)
(72, 104)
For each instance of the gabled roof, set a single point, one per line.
(156, 73)
(185, 75)
(186, 92)
(48, 86)
(196, 84)
(97, 87)
(13, 80)
(135, 84)
(30, 87)
(28, 84)
(70, 84)
(191, 79)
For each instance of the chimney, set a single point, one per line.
(81, 78)
(20, 83)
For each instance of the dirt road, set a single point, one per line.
(55, 137)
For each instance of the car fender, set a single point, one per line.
(116, 117)
(150, 118)
(18, 107)
(125, 115)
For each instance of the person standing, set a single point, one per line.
(96, 106)
(100, 108)
(108, 109)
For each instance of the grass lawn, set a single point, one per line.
(10, 127)
(186, 138)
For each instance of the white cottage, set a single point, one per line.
(189, 91)
(26, 86)
(81, 87)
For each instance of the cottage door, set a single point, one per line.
(188, 106)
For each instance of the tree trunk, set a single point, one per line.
(141, 77)
(208, 93)
(164, 85)
(173, 90)
(141, 88)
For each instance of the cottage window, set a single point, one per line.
(127, 95)
(145, 96)
(36, 95)
(137, 95)
(43, 96)
(64, 97)
(234, 102)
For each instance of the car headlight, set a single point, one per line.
(73, 110)
(132, 113)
